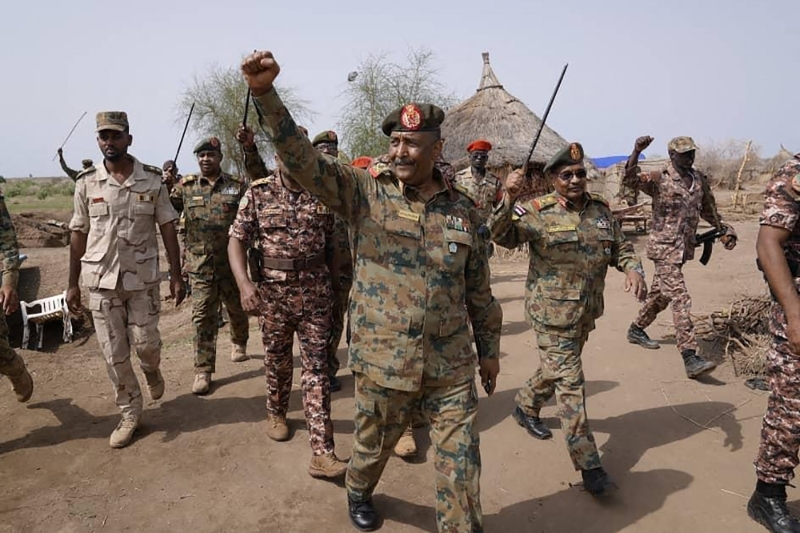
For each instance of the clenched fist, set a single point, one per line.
(515, 182)
(260, 70)
(642, 143)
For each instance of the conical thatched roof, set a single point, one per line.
(500, 118)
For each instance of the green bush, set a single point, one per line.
(42, 194)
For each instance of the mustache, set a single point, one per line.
(403, 161)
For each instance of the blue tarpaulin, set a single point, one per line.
(605, 162)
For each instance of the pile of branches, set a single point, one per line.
(742, 330)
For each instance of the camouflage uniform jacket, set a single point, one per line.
(484, 193)
(208, 212)
(570, 252)
(254, 165)
(782, 210)
(344, 252)
(284, 225)
(419, 280)
(120, 220)
(676, 212)
(9, 249)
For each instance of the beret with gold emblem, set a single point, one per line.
(413, 117)
(208, 144)
(325, 137)
(572, 154)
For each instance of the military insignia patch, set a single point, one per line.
(411, 117)
(456, 223)
(243, 202)
(453, 247)
(520, 211)
(575, 151)
(145, 197)
(214, 142)
(603, 222)
(377, 169)
(331, 136)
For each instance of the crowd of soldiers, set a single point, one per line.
(398, 247)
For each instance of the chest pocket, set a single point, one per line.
(230, 203)
(194, 206)
(98, 209)
(143, 208)
(562, 237)
(402, 240)
(457, 248)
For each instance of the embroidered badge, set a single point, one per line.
(559, 228)
(411, 117)
(453, 247)
(145, 197)
(574, 151)
(408, 215)
(603, 222)
(214, 142)
(519, 210)
(331, 136)
(99, 200)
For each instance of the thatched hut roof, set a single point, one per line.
(497, 116)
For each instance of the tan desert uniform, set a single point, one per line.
(120, 269)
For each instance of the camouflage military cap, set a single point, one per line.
(208, 145)
(681, 145)
(87, 163)
(572, 154)
(325, 137)
(112, 120)
(413, 117)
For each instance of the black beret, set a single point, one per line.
(572, 154)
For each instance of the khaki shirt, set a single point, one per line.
(120, 220)
(484, 193)
(419, 280)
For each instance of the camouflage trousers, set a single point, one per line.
(124, 320)
(206, 297)
(561, 373)
(780, 439)
(380, 418)
(669, 286)
(288, 309)
(11, 363)
(341, 302)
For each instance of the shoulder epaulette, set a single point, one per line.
(153, 169)
(188, 178)
(545, 201)
(599, 198)
(261, 181)
(377, 168)
(85, 172)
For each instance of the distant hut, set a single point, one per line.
(503, 120)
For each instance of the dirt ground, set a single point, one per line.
(680, 450)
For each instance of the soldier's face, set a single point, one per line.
(570, 182)
(328, 148)
(479, 158)
(412, 155)
(113, 144)
(209, 161)
(682, 161)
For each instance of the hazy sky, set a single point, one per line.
(712, 69)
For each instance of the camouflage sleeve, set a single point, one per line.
(708, 209)
(80, 208)
(73, 174)
(484, 311)
(506, 227)
(8, 247)
(636, 180)
(176, 197)
(165, 213)
(254, 165)
(245, 225)
(781, 200)
(623, 255)
(337, 185)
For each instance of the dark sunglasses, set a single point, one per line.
(568, 175)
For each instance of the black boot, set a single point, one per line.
(362, 515)
(336, 385)
(768, 508)
(637, 335)
(596, 481)
(696, 365)
(533, 424)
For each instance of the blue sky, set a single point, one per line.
(712, 69)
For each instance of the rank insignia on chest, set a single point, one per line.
(230, 190)
(273, 211)
(323, 210)
(145, 197)
(603, 222)
(99, 200)
(456, 223)
(453, 247)
(519, 210)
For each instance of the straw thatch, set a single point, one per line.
(500, 118)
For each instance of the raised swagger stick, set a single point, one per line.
(191, 110)
(544, 119)
(69, 134)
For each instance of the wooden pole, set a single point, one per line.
(739, 174)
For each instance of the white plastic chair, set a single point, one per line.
(52, 308)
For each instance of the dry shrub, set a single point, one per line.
(720, 161)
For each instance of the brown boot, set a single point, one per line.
(406, 447)
(327, 465)
(21, 379)
(155, 384)
(277, 428)
(122, 436)
(202, 383)
(239, 354)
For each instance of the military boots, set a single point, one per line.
(155, 384)
(770, 511)
(696, 365)
(362, 515)
(597, 482)
(637, 335)
(533, 424)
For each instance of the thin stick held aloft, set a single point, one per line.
(178, 151)
(70, 134)
(544, 119)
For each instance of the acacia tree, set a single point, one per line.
(219, 96)
(381, 85)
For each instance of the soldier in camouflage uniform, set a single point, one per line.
(113, 249)
(419, 281)
(342, 274)
(293, 231)
(209, 202)
(11, 363)
(573, 239)
(73, 174)
(778, 248)
(681, 196)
